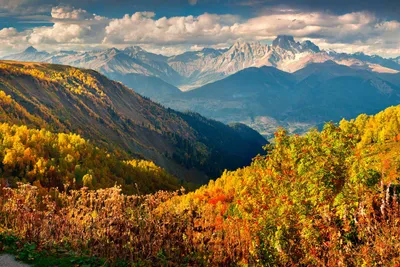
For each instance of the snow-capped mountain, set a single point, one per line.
(111, 62)
(288, 43)
(290, 83)
(29, 54)
(207, 66)
(200, 68)
(197, 68)
(190, 63)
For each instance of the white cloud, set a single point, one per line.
(12, 40)
(71, 26)
(66, 12)
(358, 31)
(306, 24)
(8, 32)
(141, 27)
(59, 33)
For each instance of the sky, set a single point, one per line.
(174, 26)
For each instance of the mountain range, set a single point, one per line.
(196, 68)
(266, 97)
(287, 83)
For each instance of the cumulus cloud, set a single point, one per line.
(8, 32)
(59, 33)
(66, 12)
(141, 27)
(11, 40)
(314, 24)
(70, 26)
(357, 31)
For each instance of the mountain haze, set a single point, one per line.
(266, 97)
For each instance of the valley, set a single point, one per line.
(298, 101)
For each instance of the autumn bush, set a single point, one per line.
(67, 161)
(105, 222)
(328, 198)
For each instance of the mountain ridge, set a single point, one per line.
(193, 69)
(265, 98)
(66, 99)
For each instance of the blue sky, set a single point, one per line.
(174, 26)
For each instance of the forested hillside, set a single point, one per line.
(70, 100)
(327, 198)
(67, 161)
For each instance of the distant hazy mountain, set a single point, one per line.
(197, 68)
(110, 62)
(266, 97)
(332, 92)
(149, 86)
(29, 54)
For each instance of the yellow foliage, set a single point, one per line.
(57, 160)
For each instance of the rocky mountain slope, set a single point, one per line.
(66, 99)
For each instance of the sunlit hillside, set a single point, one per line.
(69, 100)
(67, 161)
(328, 198)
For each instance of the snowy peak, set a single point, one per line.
(112, 51)
(244, 51)
(195, 68)
(246, 47)
(29, 54)
(139, 53)
(308, 45)
(134, 49)
(30, 49)
(287, 42)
